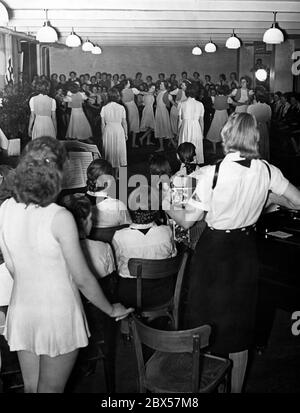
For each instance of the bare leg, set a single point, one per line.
(173, 142)
(30, 366)
(134, 145)
(147, 135)
(161, 145)
(55, 371)
(238, 370)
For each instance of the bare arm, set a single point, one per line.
(65, 232)
(102, 125)
(184, 217)
(290, 199)
(201, 123)
(124, 125)
(31, 122)
(292, 196)
(53, 117)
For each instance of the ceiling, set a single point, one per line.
(155, 22)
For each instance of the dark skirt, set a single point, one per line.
(222, 288)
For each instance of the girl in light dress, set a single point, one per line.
(148, 120)
(162, 128)
(191, 113)
(180, 97)
(184, 183)
(114, 130)
(127, 95)
(42, 120)
(108, 211)
(79, 127)
(240, 98)
(262, 113)
(45, 323)
(220, 117)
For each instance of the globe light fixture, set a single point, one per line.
(261, 75)
(197, 51)
(87, 46)
(96, 50)
(233, 42)
(210, 47)
(273, 35)
(3, 15)
(46, 34)
(73, 40)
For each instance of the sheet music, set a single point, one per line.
(75, 169)
(74, 145)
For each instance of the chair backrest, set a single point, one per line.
(105, 234)
(181, 341)
(156, 269)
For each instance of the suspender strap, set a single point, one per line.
(216, 174)
(269, 170)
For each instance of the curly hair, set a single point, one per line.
(7, 176)
(79, 206)
(39, 173)
(96, 168)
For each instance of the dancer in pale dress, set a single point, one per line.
(220, 117)
(262, 113)
(241, 97)
(162, 118)
(191, 115)
(148, 121)
(45, 323)
(114, 130)
(180, 97)
(43, 113)
(79, 127)
(127, 95)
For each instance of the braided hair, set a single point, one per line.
(186, 152)
(97, 168)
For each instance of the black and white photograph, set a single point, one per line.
(149, 199)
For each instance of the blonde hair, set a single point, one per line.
(240, 133)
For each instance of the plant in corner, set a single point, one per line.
(15, 112)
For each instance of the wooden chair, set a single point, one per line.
(155, 269)
(177, 364)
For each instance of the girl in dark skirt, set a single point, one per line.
(224, 269)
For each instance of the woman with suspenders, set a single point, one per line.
(224, 269)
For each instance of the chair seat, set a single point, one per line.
(170, 372)
(163, 309)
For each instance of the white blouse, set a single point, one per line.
(156, 244)
(239, 196)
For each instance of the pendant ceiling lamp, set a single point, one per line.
(96, 50)
(3, 15)
(197, 51)
(210, 47)
(273, 35)
(261, 75)
(46, 34)
(87, 46)
(233, 42)
(73, 40)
